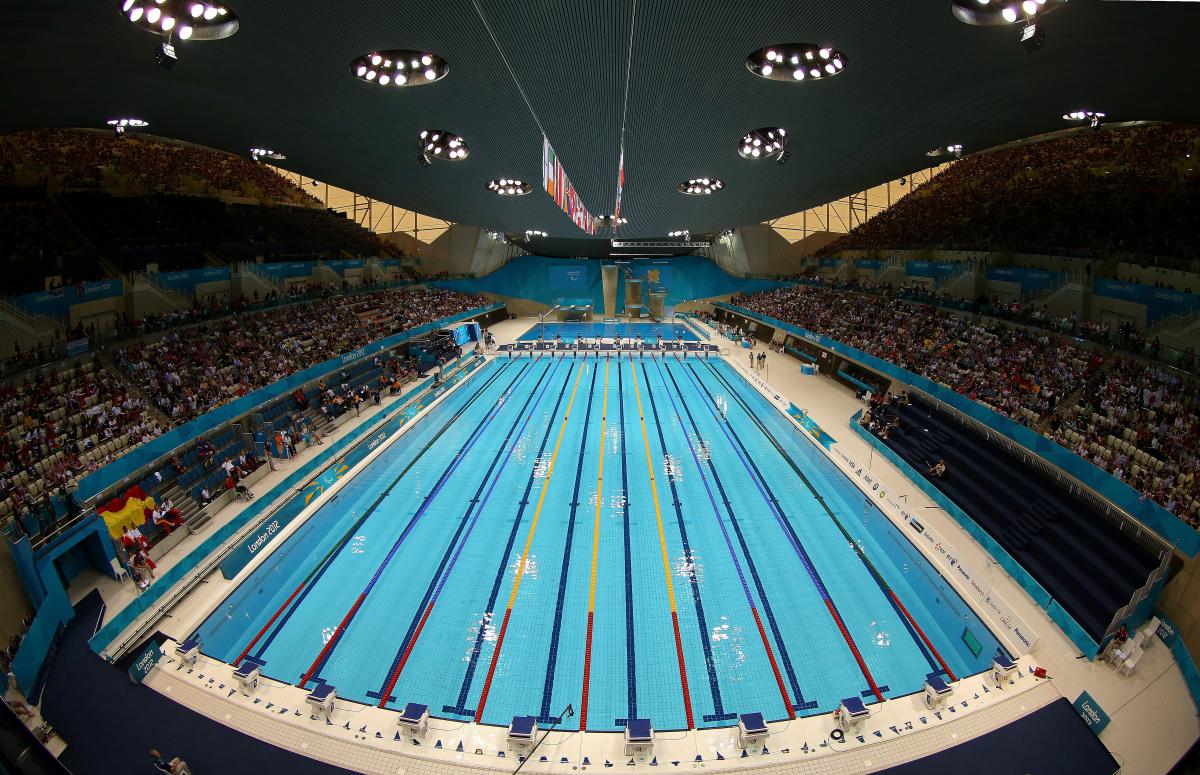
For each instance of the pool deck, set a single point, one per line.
(1153, 724)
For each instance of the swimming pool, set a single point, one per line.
(650, 332)
(641, 537)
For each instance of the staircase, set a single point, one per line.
(1180, 332)
(264, 282)
(27, 329)
(1071, 400)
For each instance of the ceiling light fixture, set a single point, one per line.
(258, 154)
(763, 143)
(1092, 117)
(954, 149)
(399, 67)
(780, 63)
(181, 18)
(1001, 12)
(440, 144)
(534, 233)
(509, 187)
(119, 125)
(700, 186)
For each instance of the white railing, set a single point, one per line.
(33, 321)
(250, 267)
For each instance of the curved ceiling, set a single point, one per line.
(916, 78)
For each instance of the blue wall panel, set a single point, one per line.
(540, 279)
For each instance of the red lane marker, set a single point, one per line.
(487, 684)
(333, 639)
(787, 701)
(587, 676)
(391, 684)
(921, 632)
(270, 621)
(687, 696)
(862, 665)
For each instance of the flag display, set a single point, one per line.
(558, 186)
(620, 186)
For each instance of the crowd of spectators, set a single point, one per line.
(1118, 407)
(71, 196)
(83, 158)
(1129, 189)
(57, 427)
(191, 371)
(1125, 336)
(61, 424)
(1008, 368)
(1141, 423)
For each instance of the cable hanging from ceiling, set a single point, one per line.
(617, 220)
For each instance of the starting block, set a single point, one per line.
(751, 729)
(937, 691)
(639, 736)
(188, 651)
(850, 714)
(247, 673)
(1002, 668)
(414, 718)
(321, 699)
(521, 731)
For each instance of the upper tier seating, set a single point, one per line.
(1129, 189)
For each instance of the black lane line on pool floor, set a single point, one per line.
(888, 594)
(800, 704)
(319, 569)
(552, 657)
(474, 506)
(630, 649)
(477, 649)
(714, 686)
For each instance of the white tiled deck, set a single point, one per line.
(1153, 718)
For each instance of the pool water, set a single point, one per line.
(634, 537)
(650, 332)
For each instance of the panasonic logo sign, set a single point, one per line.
(264, 536)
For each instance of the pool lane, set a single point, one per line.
(312, 621)
(475, 508)
(412, 526)
(889, 639)
(523, 563)
(264, 602)
(280, 618)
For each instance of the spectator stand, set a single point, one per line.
(982, 372)
(220, 550)
(1023, 441)
(150, 464)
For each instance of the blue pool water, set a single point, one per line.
(650, 332)
(405, 582)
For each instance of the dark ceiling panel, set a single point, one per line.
(916, 78)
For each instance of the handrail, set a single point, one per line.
(34, 321)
